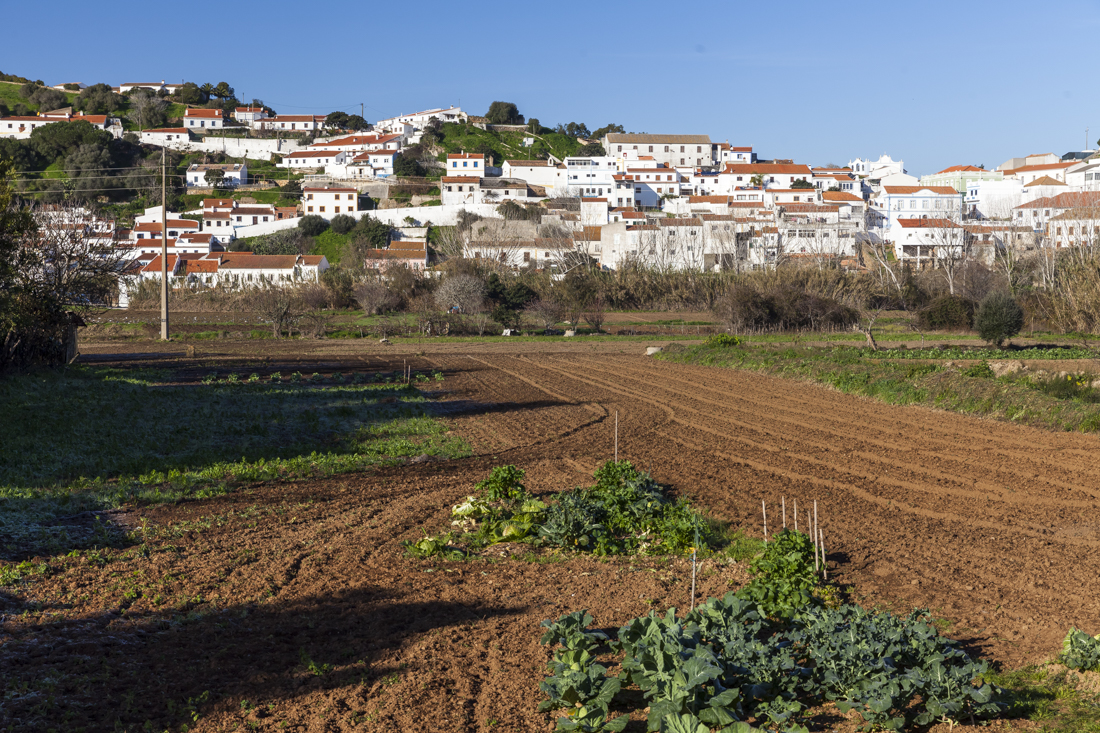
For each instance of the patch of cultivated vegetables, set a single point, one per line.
(626, 512)
(766, 654)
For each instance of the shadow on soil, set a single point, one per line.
(172, 671)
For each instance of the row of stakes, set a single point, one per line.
(815, 533)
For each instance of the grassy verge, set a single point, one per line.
(88, 439)
(892, 377)
(1057, 699)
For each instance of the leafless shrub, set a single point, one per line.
(464, 292)
(375, 297)
(546, 312)
(278, 306)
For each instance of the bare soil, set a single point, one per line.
(993, 526)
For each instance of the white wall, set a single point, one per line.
(437, 215)
(236, 147)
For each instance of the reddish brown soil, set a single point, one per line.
(991, 525)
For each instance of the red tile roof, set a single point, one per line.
(460, 179)
(839, 196)
(173, 130)
(205, 113)
(765, 168)
(961, 168)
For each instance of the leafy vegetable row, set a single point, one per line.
(768, 652)
(625, 512)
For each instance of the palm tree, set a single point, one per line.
(757, 181)
(208, 89)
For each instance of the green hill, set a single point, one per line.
(506, 145)
(9, 95)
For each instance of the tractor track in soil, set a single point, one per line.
(993, 526)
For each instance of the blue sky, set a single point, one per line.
(934, 83)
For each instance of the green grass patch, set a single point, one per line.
(870, 374)
(331, 245)
(90, 438)
(1057, 699)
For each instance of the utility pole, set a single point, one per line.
(163, 247)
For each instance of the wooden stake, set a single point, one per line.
(815, 534)
(821, 544)
(783, 501)
(616, 436)
(796, 515)
(764, 506)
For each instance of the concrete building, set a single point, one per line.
(668, 150)
(959, 177)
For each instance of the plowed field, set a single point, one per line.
(995, 527)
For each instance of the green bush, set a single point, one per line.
(999, 317)
(312, 225)
(342, 223)
(947, 313)
(722, 340)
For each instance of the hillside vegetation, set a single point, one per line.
(505, 144)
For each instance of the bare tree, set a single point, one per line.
(314, 299)
(594, 311)
(464, 292)
(278, 306)
(547, 312)
(75, 261)
(147, 109)
(374, 297)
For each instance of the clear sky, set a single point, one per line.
(935, 83)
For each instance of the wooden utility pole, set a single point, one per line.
(163, 246)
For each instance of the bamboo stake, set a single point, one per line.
(796, 515)
(783, 501)
(616, 436)
(764, 506)
(821, 544)
(816, 544)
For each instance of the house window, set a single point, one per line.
(651, 148)
(666, 148)
(337, 210)
(322, 209)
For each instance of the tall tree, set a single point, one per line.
(504, 113)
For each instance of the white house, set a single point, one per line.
(460, 190)
(313, 159)
(772, 175)
(234, 174)
(545, 173)
(671, 150)
(590, 176)
(420, 120)
(466, 164)
(1028, 173)
(248, 115)
(926, 240)
(360, 143)
(165, 136)
(21, 127)
(379, 161)
(291, 123)
(151, 230)
(328, 201)
(194, 119)
(917, 202)
(989, 199)
(651, 184)
(151, 86)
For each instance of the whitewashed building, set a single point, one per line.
(234, 174)
(670, 150)
(328, 201)
(198, 119)
(311, 158)
(165, 136)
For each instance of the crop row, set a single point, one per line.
(626, 512)
(767, 654)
